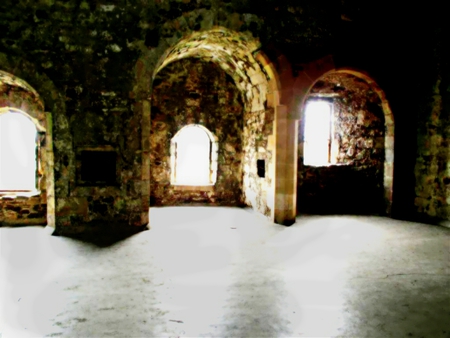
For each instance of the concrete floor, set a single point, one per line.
(205, 271)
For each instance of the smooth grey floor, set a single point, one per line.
(206, 271)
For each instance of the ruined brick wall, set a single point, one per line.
(355, 183)
(191, 91)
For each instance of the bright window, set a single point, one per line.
(193, 157)
(317, 133)
(17, 152)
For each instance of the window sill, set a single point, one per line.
(193, 187)
(318, 164)
(326, 164)
(14, 194)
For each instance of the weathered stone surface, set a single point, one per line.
(258, 129)
(93, 65)
(22, 210)
(433, 158)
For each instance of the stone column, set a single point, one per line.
(145, 192)
(285, 131)
(49, 169)
(388, 160)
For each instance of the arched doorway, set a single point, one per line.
(207, 110)
(358, 174)
(240, 58)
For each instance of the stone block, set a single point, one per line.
(72, 206)
(389, 155)
(389, 142)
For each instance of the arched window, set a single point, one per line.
(193, 157)
(18, 162)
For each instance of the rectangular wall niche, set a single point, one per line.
(97, 167)
(261, 167)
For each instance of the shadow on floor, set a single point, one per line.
(102, 235)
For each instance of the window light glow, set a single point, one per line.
(317, 133)
(192, 157)
(17, 152)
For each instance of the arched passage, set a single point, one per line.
(26, 192)
(206, 100)
(360, 170)
(239, 56)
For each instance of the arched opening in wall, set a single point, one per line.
(345, 162)
(18, 150)
(222, 85)
(25, 155)
(193, 157)
(318, 131)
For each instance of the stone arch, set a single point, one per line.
(22, 97)
(39, 127)
(239, 55)
(233, 52)
(388, 122)
(19, 97)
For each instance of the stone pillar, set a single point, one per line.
(285, 130)
(49, 169)
(145, 192)
(388, 161)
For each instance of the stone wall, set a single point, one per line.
(432, 170)
(85, 73)
(23, 210)
(353, 183)
(359, 131)
(92, 63)
(258, 145)
(94, 77)
(433, 160)
(102, 120)
(192, 91)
